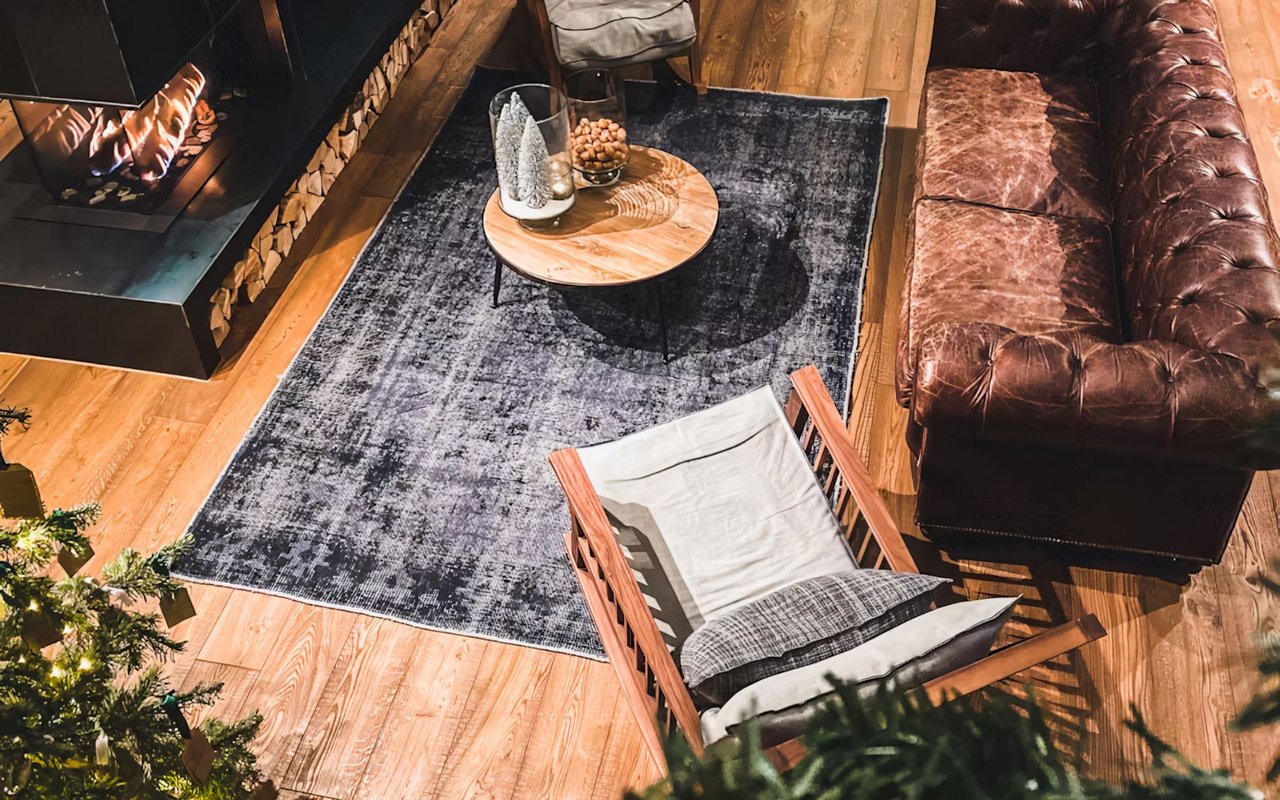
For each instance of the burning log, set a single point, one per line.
(174, 108)
(108, 147)
(205, 114)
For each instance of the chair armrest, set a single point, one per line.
(1060, 36)
(1009, 661)
(811, 395)
(651, 682)
(999, 665)
(1072, 389)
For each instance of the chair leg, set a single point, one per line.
(695, 49)
(695, 68)
(555, 76)
(537, 11)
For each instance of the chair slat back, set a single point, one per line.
(651, 682)
(843, 476)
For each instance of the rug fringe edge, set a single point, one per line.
(390, 617)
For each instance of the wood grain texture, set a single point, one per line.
(659, 217)
(292, 679)
(352, 709)
(467, 718)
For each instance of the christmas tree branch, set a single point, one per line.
(34, 541)
(80, 684)
(140, 576)
(11, 415)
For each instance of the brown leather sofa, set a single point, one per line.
(1089, 334)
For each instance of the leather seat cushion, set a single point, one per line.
(1013, 140)
(615, 33)
(1030, 273)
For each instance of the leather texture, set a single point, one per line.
(1049, 36)
(1068, 387)
(1187, 365)
(1027, 273)
(1044, 156)
(1000, 492)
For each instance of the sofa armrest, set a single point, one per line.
(1078, 390)
(1019, 35)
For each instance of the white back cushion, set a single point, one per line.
(716, 509)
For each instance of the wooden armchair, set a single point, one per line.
(652, 683)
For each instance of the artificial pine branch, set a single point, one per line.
(141, 576)
(11, 415)
(35, 541)
(82, 718)
(901, 746)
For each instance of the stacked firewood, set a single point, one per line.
(250, 276)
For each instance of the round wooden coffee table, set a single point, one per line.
(656, 219)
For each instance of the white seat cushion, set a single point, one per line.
(716, 510)
(614, 33)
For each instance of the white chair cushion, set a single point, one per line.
(614, 33)
(716, 510)
(917, 651)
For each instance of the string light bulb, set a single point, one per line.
(33, 606)
(57, 672)
(85, 664)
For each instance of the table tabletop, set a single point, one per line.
(659, 216)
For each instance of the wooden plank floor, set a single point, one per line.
(358, 707)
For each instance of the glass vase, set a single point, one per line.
(530, 128)
(598, 138)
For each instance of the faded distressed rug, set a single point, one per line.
(400, 468)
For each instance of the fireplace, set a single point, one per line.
(131, 168)
(138, 167)
(164, 143)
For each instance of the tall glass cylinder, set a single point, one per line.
(599, 117)
(530, 127)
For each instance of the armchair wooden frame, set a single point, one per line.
(651, 682)
(537, 10)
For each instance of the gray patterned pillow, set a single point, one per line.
(798, 625)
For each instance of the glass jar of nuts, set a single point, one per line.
(598, 126)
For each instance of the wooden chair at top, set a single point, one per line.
(651, 681)
(574, 35)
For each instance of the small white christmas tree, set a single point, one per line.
(506, 144)
(534, 170)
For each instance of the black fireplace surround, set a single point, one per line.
(134, 292)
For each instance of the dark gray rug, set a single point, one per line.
(400, 467)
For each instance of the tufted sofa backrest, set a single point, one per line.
(1196, 250)
(1049, 36)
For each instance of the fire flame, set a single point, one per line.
(148, 139)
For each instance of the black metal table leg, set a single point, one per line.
(662, 321)
(497, 279)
